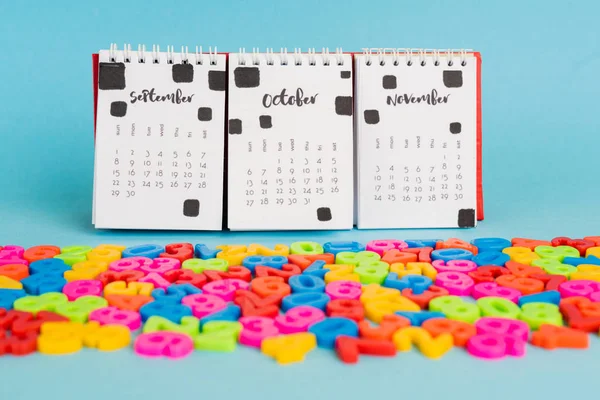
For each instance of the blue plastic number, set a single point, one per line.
(43, 283)
(491, 244)
(422, 242)
(418, 283)
(251, 262)
(316, 269)
(317, 300)
(175, 293)
(172, 312)
(143, 250)
(8, 297)
(551, 296)
(229, 313)
(203, 252)
(50, 266)
(491, 258)
(417, 318)
(337, 247)
(306, 284)
(451, 254)
(577, 261)
(328, 330)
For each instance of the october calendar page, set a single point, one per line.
(290, 142)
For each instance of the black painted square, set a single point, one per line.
(111, 76)
(246, 77)
(204, 113)
(324, 214)
(389, 82)
(183, 73)
(455, 127)
(265, 121)
(343, 105)
(453, 79)
(191, 208)
(371, 117)
(217, 80)
(235, 126)
(466, 218)
(118, 108)
(345, 74)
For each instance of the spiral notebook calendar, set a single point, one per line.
(290, 141)
(418, 128)
(159, 141)
(386, 138)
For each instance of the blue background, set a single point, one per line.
(541, 61)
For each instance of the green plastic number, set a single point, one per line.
(498, 307)
(455, 308)
(72, 255)
(198, 265)
(557, 253)
(372, 272)
(351, 258)
(537, 314)
(218, 336)
(44, 302)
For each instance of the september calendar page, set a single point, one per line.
(417, 141)
(290, 142)
(160, 141)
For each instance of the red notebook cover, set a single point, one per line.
(479, 126)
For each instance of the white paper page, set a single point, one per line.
(290, 143)
(417, 142)
(160, 143)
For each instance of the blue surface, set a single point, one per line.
(541, 137)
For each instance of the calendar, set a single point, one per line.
(418, 128)
(290, 141)
(159, 143)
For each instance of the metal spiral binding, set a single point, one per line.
(410, 57)
(158, 57)
(295, 58)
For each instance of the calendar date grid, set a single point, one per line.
(301, 173)
(436, 176)
(158, 165)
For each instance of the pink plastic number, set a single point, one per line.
(344, 290)
(503, 326)
(456, 283)
(203, 304)
(464, 266)
(487, 289)
(76, 289)
(10, 250)
(12, 255)
(493, 346)
(381, 246)
(115, 316)
(155, 279)
(161, 266)
(225, 288)
(130, 263)
(255, 329)
(595, 297)
(583, 288)
(498, 337)
(298, 319)
(167, 344)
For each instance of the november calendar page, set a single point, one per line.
(417, 135)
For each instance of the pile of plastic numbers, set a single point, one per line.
(490, 296)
